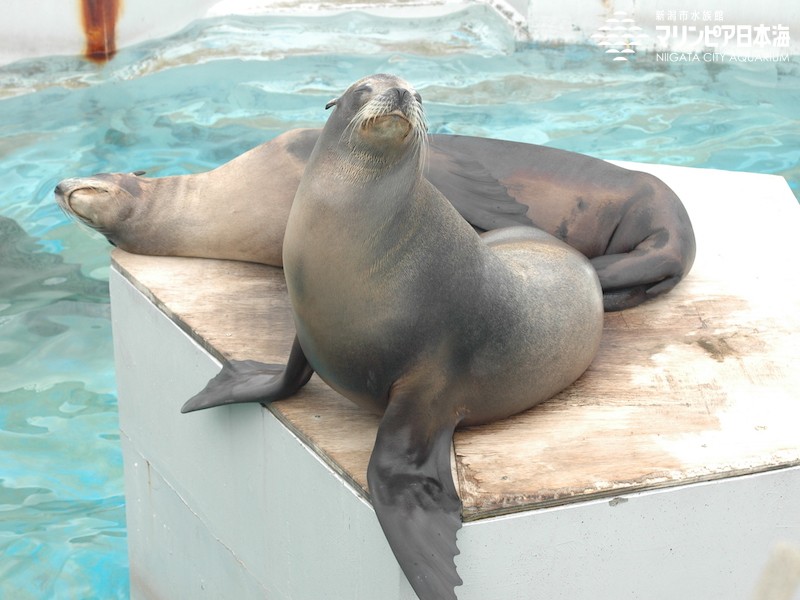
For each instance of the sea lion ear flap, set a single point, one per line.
(332, 103)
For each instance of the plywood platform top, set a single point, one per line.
(700, 384)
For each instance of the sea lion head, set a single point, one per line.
(379, 115)
(103, 201)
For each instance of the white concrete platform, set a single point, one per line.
(670, 470)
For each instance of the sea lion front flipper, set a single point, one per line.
(250, 381)
(414, 497)
(474, 192)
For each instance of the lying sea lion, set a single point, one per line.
(630, 224)
(403, 308)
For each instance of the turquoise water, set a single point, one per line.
(201, 97)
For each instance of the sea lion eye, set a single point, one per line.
(362, 89)
(418, 97)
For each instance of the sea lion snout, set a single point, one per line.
(401, 101)
(100, 201)
(403, 98)
(399, 121)
(386, 112)
(402, 95)
(79, 197)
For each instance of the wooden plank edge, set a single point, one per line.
(473, 515)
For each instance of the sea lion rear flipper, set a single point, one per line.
(475, 193)
(250, 381)
(415, 500)
(650, 269)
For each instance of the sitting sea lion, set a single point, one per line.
(630, 224)
(403, 308)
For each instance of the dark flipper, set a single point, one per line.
(614, 300)
(475, 193)
(414, 497)
(250, 381)
(650, 269)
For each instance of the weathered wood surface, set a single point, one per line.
(242, 311)
(697, 385)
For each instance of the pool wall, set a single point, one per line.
(60, 28)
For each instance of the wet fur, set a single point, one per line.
(404, 309)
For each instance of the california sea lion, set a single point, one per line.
(630, 224)
(414, 315)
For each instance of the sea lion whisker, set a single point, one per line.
(357, 121)
(87, 227)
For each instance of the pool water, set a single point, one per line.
(201, 97)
